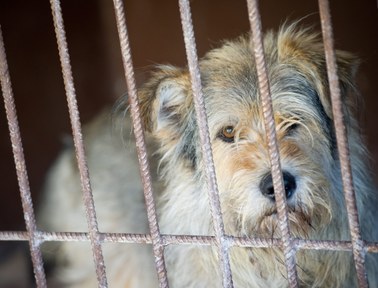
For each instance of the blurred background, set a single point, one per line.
(156, 37)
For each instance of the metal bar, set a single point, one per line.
(183, 240)
(78, 141)
(371, 247)
(215, 207)
(22, 176)
(342, 144)
(270, 129)
(157, 242)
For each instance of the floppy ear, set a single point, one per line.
(165, 99)
(168, 113)
(347, 66)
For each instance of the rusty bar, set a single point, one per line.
(342, 143)
(19, 160)
(270, 129)
(300, 243)
(184, 240)
(371, 247)
(78, 141)
(157, 242)
(191, 52)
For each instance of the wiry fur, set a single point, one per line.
(305, 133)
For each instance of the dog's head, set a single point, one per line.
(302, 111)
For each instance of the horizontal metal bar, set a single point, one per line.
(371, 247)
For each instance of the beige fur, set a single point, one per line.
(305, 133)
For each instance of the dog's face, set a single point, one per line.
(303, 118)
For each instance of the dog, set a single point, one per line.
(310, 167)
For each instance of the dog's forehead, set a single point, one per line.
(230, 81)
(229, 69)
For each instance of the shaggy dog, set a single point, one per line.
(309, 159)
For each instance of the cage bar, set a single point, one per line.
(169, 239)
(199, 105)
(20, 165)
(289, 248)
(78, 141)
(158, 247)
(342, 144)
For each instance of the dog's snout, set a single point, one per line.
(266, 185)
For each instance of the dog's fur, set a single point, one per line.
(306, 138)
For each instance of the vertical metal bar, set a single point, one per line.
(191, 52)
(78, 141)
(22, 176)
(342, 144)
(157, 242)
(270, 129)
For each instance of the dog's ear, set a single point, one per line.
(347, 65)
(165, 100)
(304, 49)
(167, 110)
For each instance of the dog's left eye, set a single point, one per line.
(227, 134)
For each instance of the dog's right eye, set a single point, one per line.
(227, 134)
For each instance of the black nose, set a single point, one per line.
(266, 185)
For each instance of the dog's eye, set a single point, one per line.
(227, 134)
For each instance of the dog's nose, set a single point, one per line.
(266, 185)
